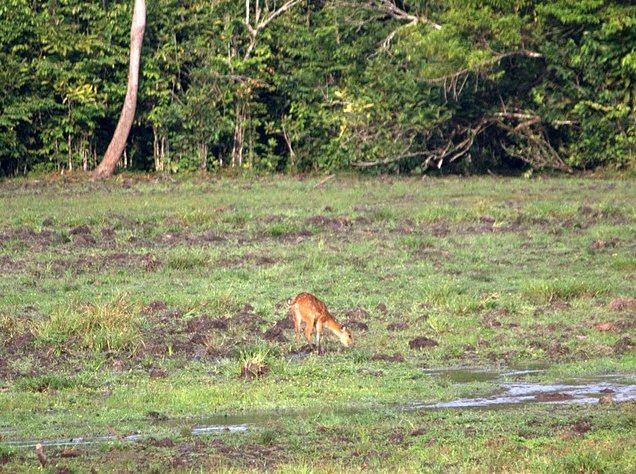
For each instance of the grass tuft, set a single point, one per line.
(43, 383)
(114, 325)
(562, 289)
(187, 261)
(10, 326)
(255, 361)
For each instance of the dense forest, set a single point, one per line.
(303, 85)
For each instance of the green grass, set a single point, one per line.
(110, 326)
(565, 289)
(172, 302)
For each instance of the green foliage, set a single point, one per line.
(463, 85)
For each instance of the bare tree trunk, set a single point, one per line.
(292, 153)
(155, 147)
(117, 144)
(237, 148)
(70, 152)
(203, 155)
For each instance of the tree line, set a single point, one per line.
(305, 85)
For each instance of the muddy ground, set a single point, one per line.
(357, 255)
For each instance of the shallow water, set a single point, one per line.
(81, 441)
(515, 387)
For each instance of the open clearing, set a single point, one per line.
(143, 325)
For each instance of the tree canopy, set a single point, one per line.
(298, 85)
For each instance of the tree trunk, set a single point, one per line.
(69, 143)
(237, 148)
(203, 155)
(155, 148)
(117, 144)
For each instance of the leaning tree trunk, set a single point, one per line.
(117, 144)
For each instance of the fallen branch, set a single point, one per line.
(323, 181)
(388, 161)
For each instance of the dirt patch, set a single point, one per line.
(558, 305)
(277, 332)
(422, 342)
(151, 263)
(397, 326)
(624, 346)
(261, 457)
(601, 244)
(21, 347)
(553, 397)
(248, 320)
(154, 307)
(302, 352)
(173, 239)
(254, 370)
(355, 325)
(357, 314)
(108, 233)
(70, 453)
(32, 239)
(490, 320)
(427, 251)
(205, 323)
(440, 230)
(5, 458)
(157, 373)
(396, 357)
(97, 263)
(19, 343)
(171, 334)
(622, 304)
(80, 230)
(247, 260)
(331, 223)
(8, 265)
(619, 325)
(604, 327)
(162, 443)
(556, 350)
(579, 428)
(82, 236)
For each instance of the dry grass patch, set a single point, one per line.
(111, 326)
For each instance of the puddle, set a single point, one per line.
(513, 387)
(203, 430)
(524, 393)
(514, 390)
(97, 440)
(468, 375)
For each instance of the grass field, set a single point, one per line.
(152, 307)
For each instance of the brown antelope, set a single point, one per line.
(306, 307)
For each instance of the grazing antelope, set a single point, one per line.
(306, 307)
